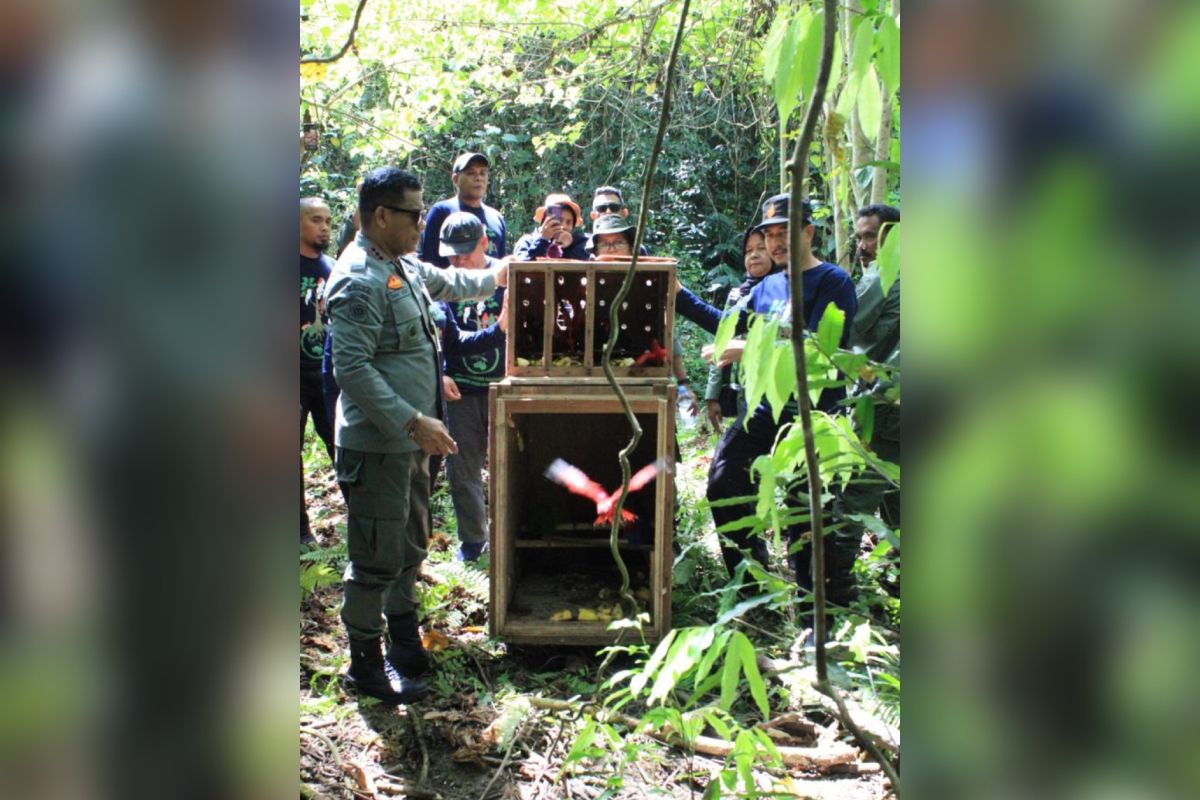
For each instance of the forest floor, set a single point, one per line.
(477, 734)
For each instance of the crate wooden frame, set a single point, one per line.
(591, 366)
(512, 397)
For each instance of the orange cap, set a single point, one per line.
(558, 200)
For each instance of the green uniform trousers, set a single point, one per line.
(386, 535)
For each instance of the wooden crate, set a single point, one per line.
(546, 553)
(558, 317)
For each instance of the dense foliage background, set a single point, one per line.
(566, 96)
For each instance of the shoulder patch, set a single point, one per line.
(358, 310)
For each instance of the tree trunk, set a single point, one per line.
(883, 146)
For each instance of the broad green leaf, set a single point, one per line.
(862, 48)
(758, 689)
(810, 53)
(688, 649)
(718, 725)
(743, 755)
(583, 743)
(725, 333)
(773, 47)
(760, 342)
(767, 744)
(729, 674)
(782, 383)
(660, 652)
(864, 412)
(845, 105)
(889, 258)
(710, 656)
(766, 485)
(712, 791)
(829, 329)
(870, 105)
(788, 76)
(888, 59)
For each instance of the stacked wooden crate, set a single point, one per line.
(551, 565)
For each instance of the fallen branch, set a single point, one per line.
(325, 740)
(810, 758)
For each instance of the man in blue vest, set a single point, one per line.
(754, 434)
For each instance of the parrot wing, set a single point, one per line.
(574, 480)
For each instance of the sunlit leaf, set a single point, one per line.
(870, 105)
(829, 329)
(888, 59)
(889, 258)
(782, 383)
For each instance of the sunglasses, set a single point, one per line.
(609, 208)
(417, 213)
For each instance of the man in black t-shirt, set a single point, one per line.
(316, 221)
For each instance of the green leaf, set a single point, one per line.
(810, 53)
(760, 342)
(729, 674)
(712, 791)
(782, 384)
(710, 656)
(725, 333)
(639, 681)
(788, 76)
(888, 60)
(689, 647)
(889, 258)
(864, 412)
(862, 49)
(758, 689)
(717, 724)
(870, 105)
(579, 750)
(773, 47)
(829, 329)
(766, 485)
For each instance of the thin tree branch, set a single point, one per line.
(606, 361)
(349, 40)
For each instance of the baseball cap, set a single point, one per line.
(775, 211)
(460, 234)
(462, 161)
(558, 200)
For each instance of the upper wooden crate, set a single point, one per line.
(558, 317)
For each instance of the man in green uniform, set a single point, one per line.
(876, 332)
(386, 359)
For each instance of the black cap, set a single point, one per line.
(775, 211)
(460, 234)
(462, 161)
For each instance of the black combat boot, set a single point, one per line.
(372, 676)
(407, 655)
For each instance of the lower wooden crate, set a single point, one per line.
(547, 554)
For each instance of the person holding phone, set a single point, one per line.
(558, 235)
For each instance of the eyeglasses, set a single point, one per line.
(417, 213)
(609, 208)
(613, 246)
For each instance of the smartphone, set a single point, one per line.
(556, 213)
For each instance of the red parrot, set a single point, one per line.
(575, 480)
(656, 352)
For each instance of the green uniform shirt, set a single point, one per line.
(385, 342)
(876, 326)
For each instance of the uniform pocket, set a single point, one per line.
(348, 464)
(407, 316)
